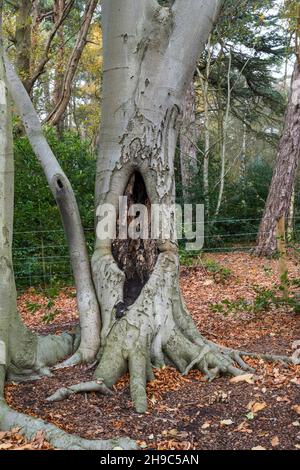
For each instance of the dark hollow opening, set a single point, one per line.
(136, 258)
(60, 184)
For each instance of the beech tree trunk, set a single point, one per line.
(23, 354)
(147, 72)
(144, 320)
(281, 189)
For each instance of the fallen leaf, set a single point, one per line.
(226, 422)
(244, 428)
(5, 446)
(275, 441)
(296, 408)
(296, 381)
(249, 378)
(205, 425)
(255, 407)
(258, 448)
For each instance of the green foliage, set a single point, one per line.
(49, 317)
(40, 249)
(264, 301)
(220, 274)
(33, 307)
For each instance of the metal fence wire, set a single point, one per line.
(42, 257)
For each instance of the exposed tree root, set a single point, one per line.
(94, 386)
(58, 438)
(155, 331)
(72, 361)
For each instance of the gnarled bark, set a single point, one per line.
(145, 83)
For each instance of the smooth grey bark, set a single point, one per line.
(281, 189)
(21, 352)
(63, 193)
(147, 71)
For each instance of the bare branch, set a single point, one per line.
(59, 109)
(41, 65)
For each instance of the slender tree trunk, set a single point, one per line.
(40, 67)
(205, 92)
(66, 201)
(291, 219)
(59, 7)
(223, 137)
(23, 40)
(281, 189)
(188, 143)
(59, 109)
(243, 157)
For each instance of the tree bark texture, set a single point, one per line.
(281, 189)
(24, 355)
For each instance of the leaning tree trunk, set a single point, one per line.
(64, 196)
(281, 189)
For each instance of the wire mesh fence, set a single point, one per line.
(42, 257)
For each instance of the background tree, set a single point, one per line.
(282, 186)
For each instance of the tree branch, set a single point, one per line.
(58, 111)
(41, 65)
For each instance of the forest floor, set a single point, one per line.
(260, 412)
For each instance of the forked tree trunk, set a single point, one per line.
(281, 189)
